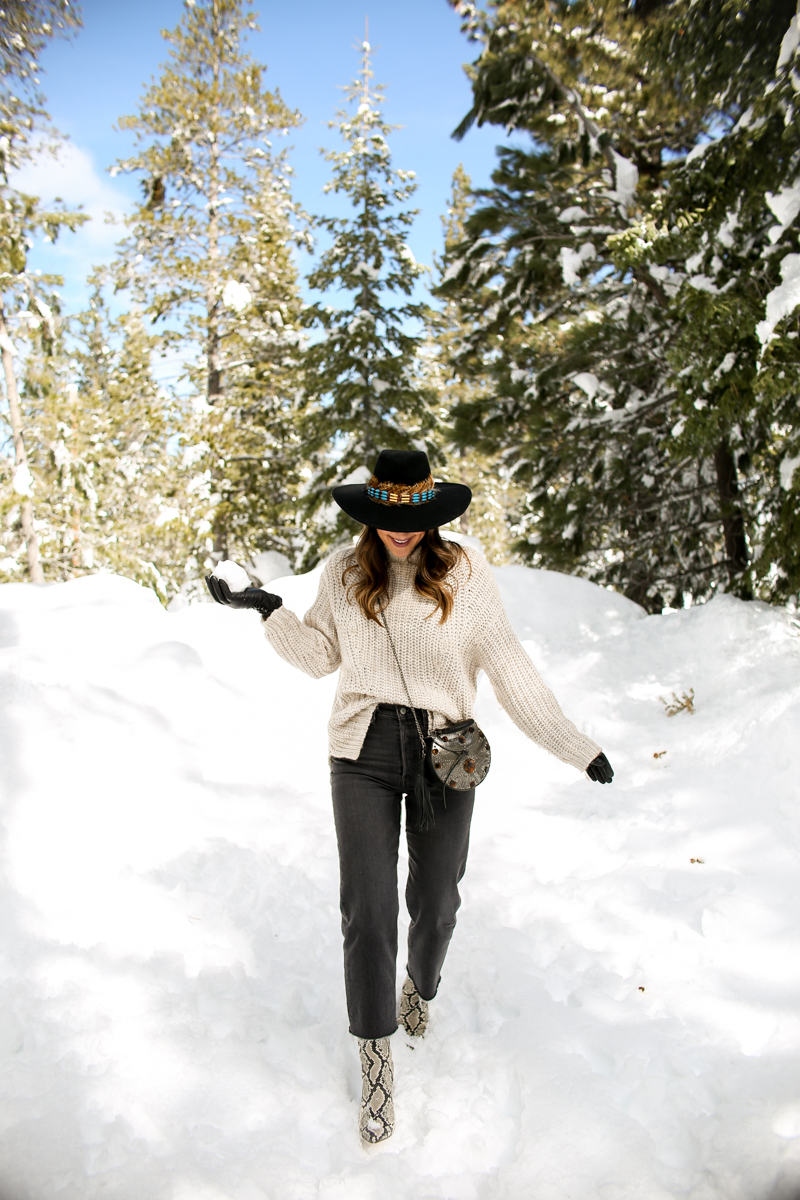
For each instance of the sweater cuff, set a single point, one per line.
(274, 618)
(586, 753)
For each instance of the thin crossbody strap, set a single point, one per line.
(405, 685)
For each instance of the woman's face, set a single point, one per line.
(400, 545)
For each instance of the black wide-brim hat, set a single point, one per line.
(401, 496)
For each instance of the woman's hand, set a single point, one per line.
(252, 597)
(600, 769)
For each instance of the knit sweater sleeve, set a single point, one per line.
(525, 696)
(311, 644)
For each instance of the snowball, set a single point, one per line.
(235, 576)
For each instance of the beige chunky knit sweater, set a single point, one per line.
(440, 662)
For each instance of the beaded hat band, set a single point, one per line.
(401, 493)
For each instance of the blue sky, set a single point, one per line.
(309, 49)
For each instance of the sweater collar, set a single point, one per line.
(404, 566)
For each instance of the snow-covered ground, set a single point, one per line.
(616, 1020)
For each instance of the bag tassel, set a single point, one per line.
(422, 797)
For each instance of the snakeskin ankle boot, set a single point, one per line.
(413, 1015)
(376, 1119)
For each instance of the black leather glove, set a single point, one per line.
(600, 769)
(252, 597)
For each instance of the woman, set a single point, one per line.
(410, 620)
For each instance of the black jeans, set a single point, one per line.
(367, 797)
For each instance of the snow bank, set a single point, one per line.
(615, 1019)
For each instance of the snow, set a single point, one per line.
(626, 179)
(785, 204)
(703, 283)
(726, 229)
(698, 151)
(172, 1023)
(453, 270)
(357, 475)
(236, 295)
(573, 213)
(572, 261)
(695, 261)
(167, 513)
(787, 470)
(782, 300)
(235, 576)
(363, 317)
(22, 480)
(269, 565)
(587, 382)
(790, 42)
(726, 365)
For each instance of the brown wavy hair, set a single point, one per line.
(370, 566)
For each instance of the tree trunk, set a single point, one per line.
(214, 383)
(21, 459)
(214, 375)
(463, 523)
(371, 449)
(731, 513)
(220, 551)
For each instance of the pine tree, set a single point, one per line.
(207, 257)
(460, 381)
(727, 228)
(98, 430)
(262, 450)
(126, 423)
(64, 491)
(28, 302)
(587, 399)
(363, 383)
